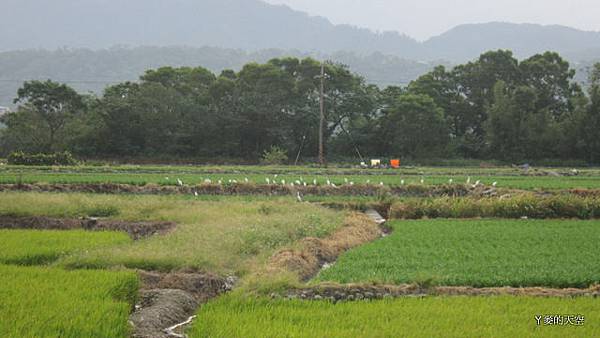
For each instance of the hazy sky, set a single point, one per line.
(422, 19)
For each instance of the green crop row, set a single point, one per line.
(234, 316)
(46, 302)
(516, 182)
(477, 253)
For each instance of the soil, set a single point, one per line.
(136, 230)
(352, 292)
(166, 300)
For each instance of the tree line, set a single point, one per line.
(495, 107)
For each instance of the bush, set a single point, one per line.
(275, 155)
(21, 158)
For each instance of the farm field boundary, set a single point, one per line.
(357, 292)
(136, 230)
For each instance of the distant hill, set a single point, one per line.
(254, 25)
(467, 41)
(246, 24)
(88, 70)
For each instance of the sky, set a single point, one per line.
(422, 19)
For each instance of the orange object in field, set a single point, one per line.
(395, 164)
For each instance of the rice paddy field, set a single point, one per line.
(79, 283)
(503, 177)
(480, 253)
(49, 302)
(408, 317)
(27, 247)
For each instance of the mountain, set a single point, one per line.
(245, 24)
(92, 70)
(467, 41)
(254, 25)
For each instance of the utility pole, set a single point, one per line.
(322, 121)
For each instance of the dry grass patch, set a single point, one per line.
(226, 236)
(312, 253)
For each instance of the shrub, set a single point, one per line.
(21, 158)
(275, 155)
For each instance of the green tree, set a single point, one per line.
(414, 127)
(46, 107)
(551, 77)
(590, 123)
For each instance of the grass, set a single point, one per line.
(47, 302)
(32, 247)
(505, 178)
(234, 316)
(222, 235)
(525, 205)
(477, 253)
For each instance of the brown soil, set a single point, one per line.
(585, 192)
(136, 230)
(313, 253)
(160, 309)
(169, 299)
(352, 292)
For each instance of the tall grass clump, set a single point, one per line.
(530, 206)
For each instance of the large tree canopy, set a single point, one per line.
(494, 107)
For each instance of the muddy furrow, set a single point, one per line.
(167, 302)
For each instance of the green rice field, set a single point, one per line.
(32, 247)
(503, 178)
(47, 302)
(505, 316)
(477, 253)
